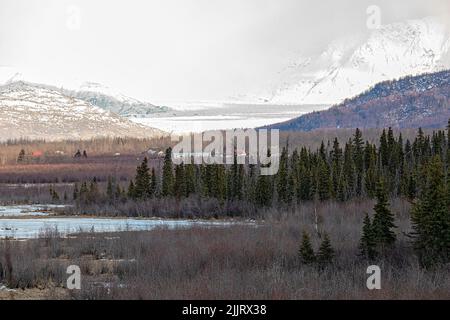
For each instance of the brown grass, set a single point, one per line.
(239, 262)
(9, 151)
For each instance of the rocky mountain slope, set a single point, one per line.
(38, 112)
(411, 102)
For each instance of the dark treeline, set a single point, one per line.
(335, 171)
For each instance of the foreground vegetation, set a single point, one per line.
(237, 262)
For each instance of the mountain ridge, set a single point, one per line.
(410, 102)
(93, 93)
(37, 112)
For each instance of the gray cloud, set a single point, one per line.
(181, 49)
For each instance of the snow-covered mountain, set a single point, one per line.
(112, 100)
(36, 111)
(95, 93)
(352, 65)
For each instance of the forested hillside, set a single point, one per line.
(411, 102)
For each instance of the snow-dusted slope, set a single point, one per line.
(33, 111)
(352, 65)
(112, 100)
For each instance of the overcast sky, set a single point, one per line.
(179, 49)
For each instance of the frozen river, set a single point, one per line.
(28, 210)
(31, 221)
(33, 227)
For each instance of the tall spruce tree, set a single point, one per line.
(349, 170)
(383, 220)
(264, 191)
(142, 183)
(75, 192)
(336, 167)
(325, 254)
(153, 183)
(371, 174)
(167, 188)
(306, 252)
(367, 245)
(180, 181)
(431, 218)
(110, 189)
(131, 191)
(324, 180)
(358, 159)
(283, 178)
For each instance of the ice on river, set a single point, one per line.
(27, 210)
(33, 227)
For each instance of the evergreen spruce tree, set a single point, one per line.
(336, 167)
(342, 186)
(142, 183)
(180, 181)
(55, 195)
(75, 192)
(94, 192)
(221, 182)
(118, 194)
(411, 191)
(367, 246)
(153, 183)
(235, 179)
(383, 220)
(349, 170)
(358, 159)
(283, 177)
(306, 252)
(110, 189)
(21, 156)
(83, 192)
(325, 255)
(324, 181)
(239, 182)
(371, 175)
(131, 191)
(83, 195)
(263, 192)
(431, 218)
(384, 150)
(448, 134)
(291, 187)
(167, 178)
